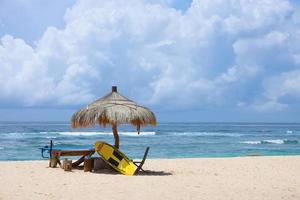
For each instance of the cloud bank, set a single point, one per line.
(235, 53)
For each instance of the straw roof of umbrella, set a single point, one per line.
(113, 109)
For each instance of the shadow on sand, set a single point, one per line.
(141, 173)
(154, 173)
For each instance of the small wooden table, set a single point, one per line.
(56, 153)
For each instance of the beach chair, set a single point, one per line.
(47, 149)
(139, 164)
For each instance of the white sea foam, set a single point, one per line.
(273, 141)
(150, 133)
(14, 135)
(1, 148)
(50, 137)
(220, 134)
(251, 142)
(133, 134)
(264, 142)
(277, 141)
(289, 132)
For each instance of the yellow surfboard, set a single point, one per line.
(115, 158)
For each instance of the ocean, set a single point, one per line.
(21, 140)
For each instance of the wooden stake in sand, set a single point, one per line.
(67, 165)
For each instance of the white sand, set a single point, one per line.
(255, 178)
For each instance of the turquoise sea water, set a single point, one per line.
(20, 141)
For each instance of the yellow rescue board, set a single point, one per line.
(115, 158)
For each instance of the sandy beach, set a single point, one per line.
(201, 178)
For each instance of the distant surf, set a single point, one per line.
(272, 142)
(212, 134)
(131, 134)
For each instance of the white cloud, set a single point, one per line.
(214, 51)
(250, 16)
(28, 75)
(285, 84)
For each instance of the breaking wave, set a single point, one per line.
(132, 134)
(272, 142)
(51, 137)
(55, 134)
(212, 134)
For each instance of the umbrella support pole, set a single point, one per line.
(116, 136)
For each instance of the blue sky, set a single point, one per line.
(200, 60)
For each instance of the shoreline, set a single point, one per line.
(179, 158)
(258, 177)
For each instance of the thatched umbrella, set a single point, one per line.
(113, 109)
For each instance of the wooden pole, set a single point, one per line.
(50, 153)
(116, 136)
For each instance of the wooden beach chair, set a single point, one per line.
(139, 164)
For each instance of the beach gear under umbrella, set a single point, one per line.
(113, 109)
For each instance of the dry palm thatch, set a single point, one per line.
(113, 109)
